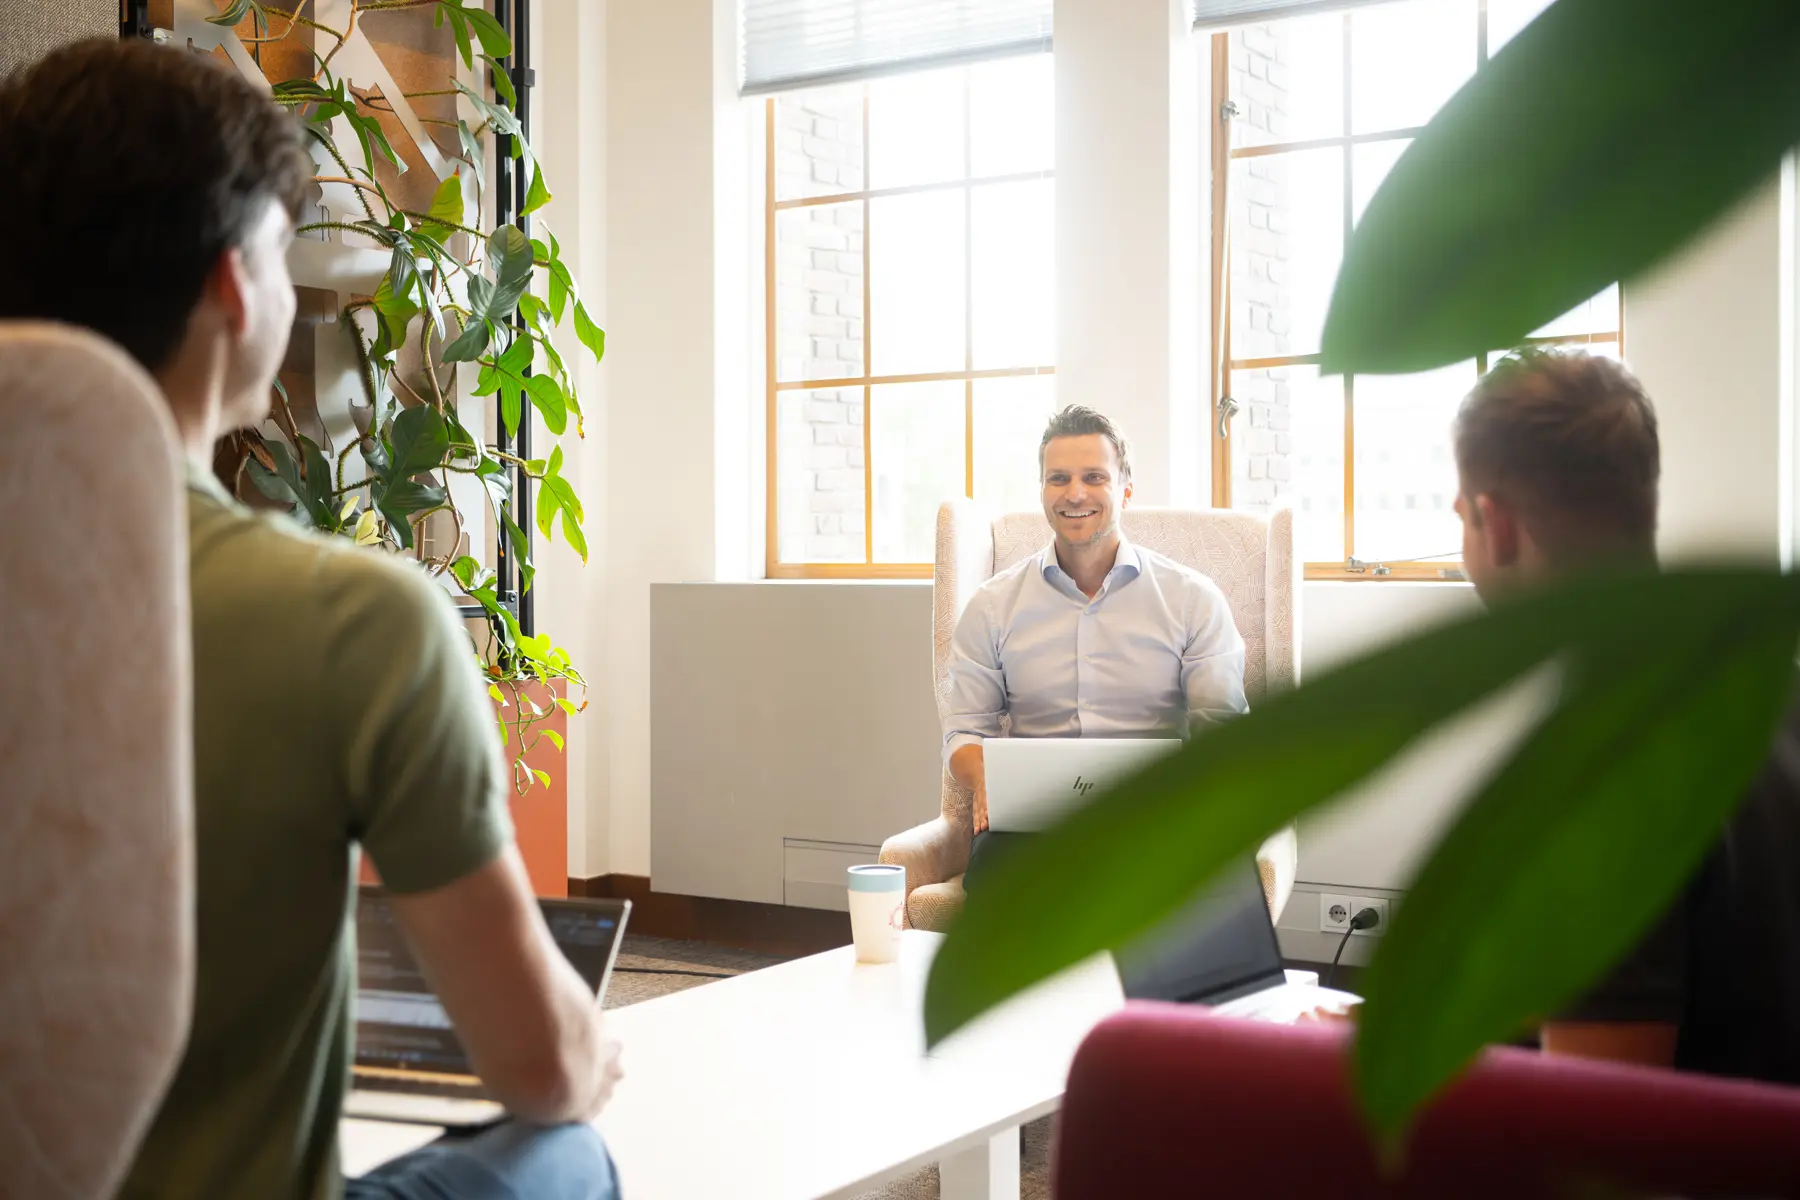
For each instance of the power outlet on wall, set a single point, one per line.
(1335, 911)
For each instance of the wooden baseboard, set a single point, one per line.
(744, 924)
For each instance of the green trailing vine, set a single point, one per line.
(459, 293)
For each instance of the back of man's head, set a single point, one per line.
(129, 169)
(1567, 442)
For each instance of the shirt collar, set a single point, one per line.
(1127, 564)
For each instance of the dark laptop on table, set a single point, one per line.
(1221, 951)
(409, 1065)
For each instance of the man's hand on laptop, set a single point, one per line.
(979, 809)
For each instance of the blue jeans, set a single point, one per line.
(508, 1162)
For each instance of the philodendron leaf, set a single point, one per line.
(468, 345)
(509, 255)
(591, 335)
(1581, 843)
(420, 440)
(1153, 844)
(1531, 189)
(401, 500)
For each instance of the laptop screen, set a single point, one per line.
(1218, 948)
(399, 1021)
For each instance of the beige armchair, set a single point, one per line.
(1250, 557)
(96, 893)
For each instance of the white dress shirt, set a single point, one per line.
(1152, 654)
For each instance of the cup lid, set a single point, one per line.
(877, 877)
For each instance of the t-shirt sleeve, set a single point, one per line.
(423, 766)
(1650, 985)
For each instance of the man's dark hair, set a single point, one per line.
(1569, 440)
(128, 168)
(1078, 420)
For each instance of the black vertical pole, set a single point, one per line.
(523, 79)
(511, 187)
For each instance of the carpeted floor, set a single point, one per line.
(649, 967)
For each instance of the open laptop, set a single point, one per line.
(409, 1065)
(1221, 952)
(1033, 781)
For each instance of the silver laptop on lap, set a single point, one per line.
(409, 1064)
(1031, 782)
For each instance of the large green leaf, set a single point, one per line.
(403, 498)
(1583, 840)
(506, 375)
(1590, 148)
(420, 440)
(549, 400)
(1158, 839)
(509, 255)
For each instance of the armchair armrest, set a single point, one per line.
(931, 853)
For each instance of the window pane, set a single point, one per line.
(1012, 116)
(1288, 80)
(1405, 473)
(1287, 446)
(1014, 265)
(819, 292)
(916, 282)
(1287, 231)
(916, 441)
(818, 143)
(1010, 415)
(916, 129)
(1599, 315)
(1506, 17)
(1370, 163)
(1406, 60)
(819, 486)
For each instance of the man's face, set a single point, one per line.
(262, 318)
(1084, 489)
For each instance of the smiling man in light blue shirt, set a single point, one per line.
(1091, 637)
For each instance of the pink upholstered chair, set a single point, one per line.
(1166, 1100)
(1250, 557)
(96, 921)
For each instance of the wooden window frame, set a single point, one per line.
(774, 567)
(1223, 155)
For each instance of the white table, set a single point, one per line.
(810, 1080)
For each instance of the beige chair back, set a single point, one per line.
(96, 920)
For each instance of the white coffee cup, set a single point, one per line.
(877, 910)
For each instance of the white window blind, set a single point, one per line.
(803, 43)
(1216, 14)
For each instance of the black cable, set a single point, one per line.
(1365, 918)
(661, 971)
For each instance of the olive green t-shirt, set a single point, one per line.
(336, 702)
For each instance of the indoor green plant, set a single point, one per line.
(455, 291)
(1589, 150)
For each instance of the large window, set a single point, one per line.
(1311, 113)
(911, 310)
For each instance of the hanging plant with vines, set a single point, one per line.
(453, 292)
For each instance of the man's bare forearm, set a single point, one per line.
(966, 766)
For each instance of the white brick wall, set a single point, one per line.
(819, 328)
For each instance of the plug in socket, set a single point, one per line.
(1336, 909)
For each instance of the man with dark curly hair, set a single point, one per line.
(150, 195)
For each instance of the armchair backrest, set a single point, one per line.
(96, 890)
